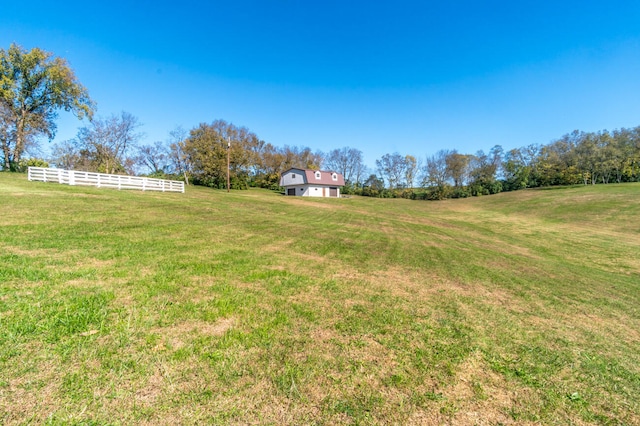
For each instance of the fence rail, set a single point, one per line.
(103, 180)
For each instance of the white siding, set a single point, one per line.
(315, 191)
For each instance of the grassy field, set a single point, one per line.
(253, 308)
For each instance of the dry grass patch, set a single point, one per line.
(416, 285)
(478, 395)
(32, 396)
(175, 336)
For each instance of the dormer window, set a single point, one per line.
(334, 176)
(293, 175)
(318, 175)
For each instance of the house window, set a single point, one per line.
(334, 176)
(318, 176)
(293, 175)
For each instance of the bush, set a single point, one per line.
(461, 192)
(439, 192)
(25, 163)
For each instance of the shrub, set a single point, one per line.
(25, 163)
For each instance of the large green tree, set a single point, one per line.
(206, 151)
(34, 86)
(484, 170)
(457, 167)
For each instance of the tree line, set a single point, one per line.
(575, 158)
(199, 156)
(34, 86)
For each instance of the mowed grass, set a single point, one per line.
(253, 308)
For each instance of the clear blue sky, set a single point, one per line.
(407, 76)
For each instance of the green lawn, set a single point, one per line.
(253, 308)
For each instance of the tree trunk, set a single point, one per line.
(17, 149)
(6, 153)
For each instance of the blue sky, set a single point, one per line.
(411, 77)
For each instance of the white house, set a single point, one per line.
(311, 183)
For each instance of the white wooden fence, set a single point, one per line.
(102, 180)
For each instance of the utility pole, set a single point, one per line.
(228, 162)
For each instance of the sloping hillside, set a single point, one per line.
(249, 307)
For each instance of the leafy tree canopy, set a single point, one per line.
(34, 86)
